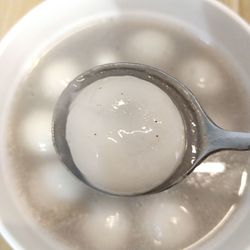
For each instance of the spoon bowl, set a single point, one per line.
(203, 136)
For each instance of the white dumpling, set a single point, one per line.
(150, 47)
(125, 134)
(105, 56)
(57, 75)
(201, 76)
(166, 224)
(35, 132)
(107, 226)
(52, 185)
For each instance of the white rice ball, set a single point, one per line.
(150, 47)
(201, 76)
(107, 226)
(57, 75)
(105, 56)
(122, 141)
(166, 224)
(35, 132)
(52, 185)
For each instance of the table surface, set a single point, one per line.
(12, 10)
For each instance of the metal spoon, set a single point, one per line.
(203, 136)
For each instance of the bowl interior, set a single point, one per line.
(45, 26)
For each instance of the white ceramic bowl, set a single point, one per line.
(53, 20)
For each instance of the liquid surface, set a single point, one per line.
(124, 142)
(80, 218)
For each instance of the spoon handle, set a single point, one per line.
(220, 139)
